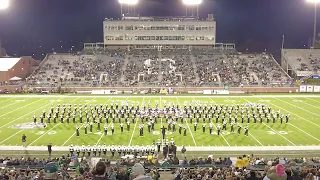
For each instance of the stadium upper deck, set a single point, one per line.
(160, 31)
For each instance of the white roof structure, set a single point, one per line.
(7, 63)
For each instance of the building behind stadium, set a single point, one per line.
(13, 69)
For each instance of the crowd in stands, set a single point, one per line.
(138, 67)
(210, 168)
(303, 59)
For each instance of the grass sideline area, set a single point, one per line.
(302, 129)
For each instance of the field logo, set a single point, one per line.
(158, 133)
(29, 125)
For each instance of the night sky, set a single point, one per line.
(252, 24)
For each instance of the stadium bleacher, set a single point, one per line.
(243, 167)
(303, 59)
(181, 67)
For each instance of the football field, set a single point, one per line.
(17, 111)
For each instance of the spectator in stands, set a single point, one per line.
(50, 170)
(138, 172)
(122, 175)
(277, 173)
(100, 171)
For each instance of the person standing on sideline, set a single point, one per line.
(24, 140)
(49, 148)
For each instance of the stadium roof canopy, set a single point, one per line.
(7, 63)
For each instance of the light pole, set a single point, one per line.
(4, 4)
(315, 21)
(192, 3)
(129, 3)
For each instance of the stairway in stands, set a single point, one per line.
(197, 79)
(126, 60)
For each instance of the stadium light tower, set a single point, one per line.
(192, 3)
(315, 20)
(129, 3)
(4, 4)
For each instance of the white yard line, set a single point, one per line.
(307, 104)
(81, 125)
(50, 128)
(15, 102)
(292, 124)
(221, 135)
(44, 134)
(102, 134)
(297, 115)
(297, 107)
(6, 100)
(273, 129)
(25, 115)
(21, 107)
(312, 100)
(255, 139)
(250, 133)
(11, 136)
(135, 125)
(279, 134)
(194, 141)
(304, 132)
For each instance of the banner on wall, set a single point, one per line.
(309, 88)
(316, 88)
(221, 92)
(104, 92)
(207, 91)
(303, 88)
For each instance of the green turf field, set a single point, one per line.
(302, 129)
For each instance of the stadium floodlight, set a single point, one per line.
(192, 2)
(129, 2)
(4, 4)
(315, 20)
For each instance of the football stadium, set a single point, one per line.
(159, 98)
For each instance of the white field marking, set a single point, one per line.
(11, 136)
(6, 100)
(273, 129)
(50, 128)
(296, 115)
(304, 132)
(24, 115)
(308, 104)
(82, 123)
(44, 134)
(221, 135)
(194, 141)
(312, 100)
(135, 125)
(279, 134)
(255, 139)
(102, 134)
(294, 125)
(250, 133)
(12, 103)
(298, 107)
(21, 107)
